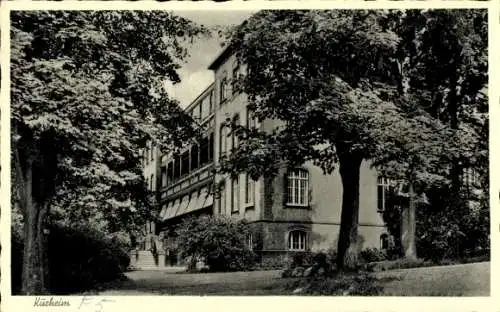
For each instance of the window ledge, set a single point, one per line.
(298, 206)
(249, 206)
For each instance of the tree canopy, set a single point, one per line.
(353, 85)
(87, 94)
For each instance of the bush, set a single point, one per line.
(302, 258)
(79, 259)
(373, 255)
(218, 241)
(341, 284)
(270, 264)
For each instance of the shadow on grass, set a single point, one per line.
(340, 284)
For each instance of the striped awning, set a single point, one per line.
(187, 203)
(183, 206)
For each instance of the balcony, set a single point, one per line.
(185, 183)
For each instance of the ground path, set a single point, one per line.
(456, 280)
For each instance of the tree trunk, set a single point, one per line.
(35, 164)
(347, 251)
(34, 271)
(408, 226)
(34, 257)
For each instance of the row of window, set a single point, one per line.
(148, 154)
(296, 193)
(196, 157)
(204, 108)
(235, 191)
(297, 241)
(229, 86)
(227, 139)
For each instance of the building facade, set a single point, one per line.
(297, 210)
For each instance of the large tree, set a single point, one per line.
(87, 94)
(442, 65)
(338, 80)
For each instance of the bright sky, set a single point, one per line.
(194, 74)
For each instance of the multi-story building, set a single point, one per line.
(297, 210)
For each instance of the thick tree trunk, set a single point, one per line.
(34, 271)
(347, 250)
(408, 226)
(35, 164)
(34, 260)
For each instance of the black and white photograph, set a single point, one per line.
(257, 152)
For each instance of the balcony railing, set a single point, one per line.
(194, 177)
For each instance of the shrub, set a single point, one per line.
(373, 255)
(271, 264)
(301, 258)
(78, 258)
(217, 240)
(341, 284)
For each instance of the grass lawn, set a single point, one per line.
(454, 280)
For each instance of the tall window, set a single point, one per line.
(177, 167)
(384, 241)
(152, 152)
(297, 240)
(185, 163)
(196, 113)
(170, 172)
(222, 140)
(250, 241)
(205, 110)
(211, 103)
(249, 190)
(229, 140)
(234, 137)
(235, 190)
(211, 147)
(223, 88)
(382, 193)
(204, 151)
(151, 181)
(251, 119)
(164, 176)
(222, 199)
(297, 187)
(194, 157)
(236, 76)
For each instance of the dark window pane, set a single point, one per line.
(185, 163)
(211, 147)
(380, 197)
(204, 151)
(177, 167)
(163, 176)
(170, 172)
(194, 157)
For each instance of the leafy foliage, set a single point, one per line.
(93, 82)
(217, 240)
(79, 259)
(87, 94)
(345, 86)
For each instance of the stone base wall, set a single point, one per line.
(321, 237)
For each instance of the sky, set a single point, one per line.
(195, 77)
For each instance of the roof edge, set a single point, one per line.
(221, 57)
